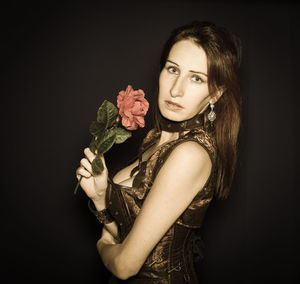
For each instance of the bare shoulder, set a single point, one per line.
(191, 153)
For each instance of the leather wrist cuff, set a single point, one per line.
(103, 216)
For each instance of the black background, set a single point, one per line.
(61, 60)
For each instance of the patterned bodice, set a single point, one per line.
(171, 259)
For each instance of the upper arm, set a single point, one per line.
(181, 177)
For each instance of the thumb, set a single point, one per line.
(101, 156)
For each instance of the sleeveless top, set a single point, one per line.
(171, 260)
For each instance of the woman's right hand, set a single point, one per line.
(93, 185)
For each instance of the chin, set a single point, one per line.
(172, 116)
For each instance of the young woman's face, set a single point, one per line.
(183, 89)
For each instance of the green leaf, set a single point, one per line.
(97, 129)
(93, 145)
(107, 114)
(112, 113)
(121, 135)
(102, 114)
(97, 165)
(107, 142)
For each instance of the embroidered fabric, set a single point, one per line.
(171, 261)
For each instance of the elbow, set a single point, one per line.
(124, 269)
(118, 262)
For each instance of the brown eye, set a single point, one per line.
(172, 70)
(197, 79)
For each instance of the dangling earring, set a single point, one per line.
(212, 115)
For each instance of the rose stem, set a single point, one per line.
(78, 183)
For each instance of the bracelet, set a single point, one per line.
(103, 216)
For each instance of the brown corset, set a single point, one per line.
(171, 261)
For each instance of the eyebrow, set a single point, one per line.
(198, 72)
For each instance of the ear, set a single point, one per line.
(216, 96)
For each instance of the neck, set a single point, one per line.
(181, 127)
(166, 136)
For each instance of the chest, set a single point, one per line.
(123, 176)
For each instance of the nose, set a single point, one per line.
(177, 89)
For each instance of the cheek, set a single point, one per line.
(165, 81)
(162, 88)
(199, 98)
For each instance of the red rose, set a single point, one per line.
(132, 108)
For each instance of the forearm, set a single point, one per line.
(108, 253)
(112, 227)
(111, 255)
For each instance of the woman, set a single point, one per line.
(151, 208)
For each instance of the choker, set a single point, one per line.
(180, 126)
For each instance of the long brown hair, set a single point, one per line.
(223, 51)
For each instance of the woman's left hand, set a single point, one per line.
(107, 238)
(94, 185)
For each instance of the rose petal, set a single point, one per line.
(128, 113)
(136, 109)
(132, 127)
(126, 122)
(140, 108)
(129, 124)
(129, 89)
(139, 120)
(132, 107)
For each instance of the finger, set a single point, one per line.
(89, 154)
(104, 230)
(108, 237)
(83, 172)
(86, 164)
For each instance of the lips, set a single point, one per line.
(173, 106)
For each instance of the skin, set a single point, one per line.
(183, 81)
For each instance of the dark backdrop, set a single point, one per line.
(61, 60)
